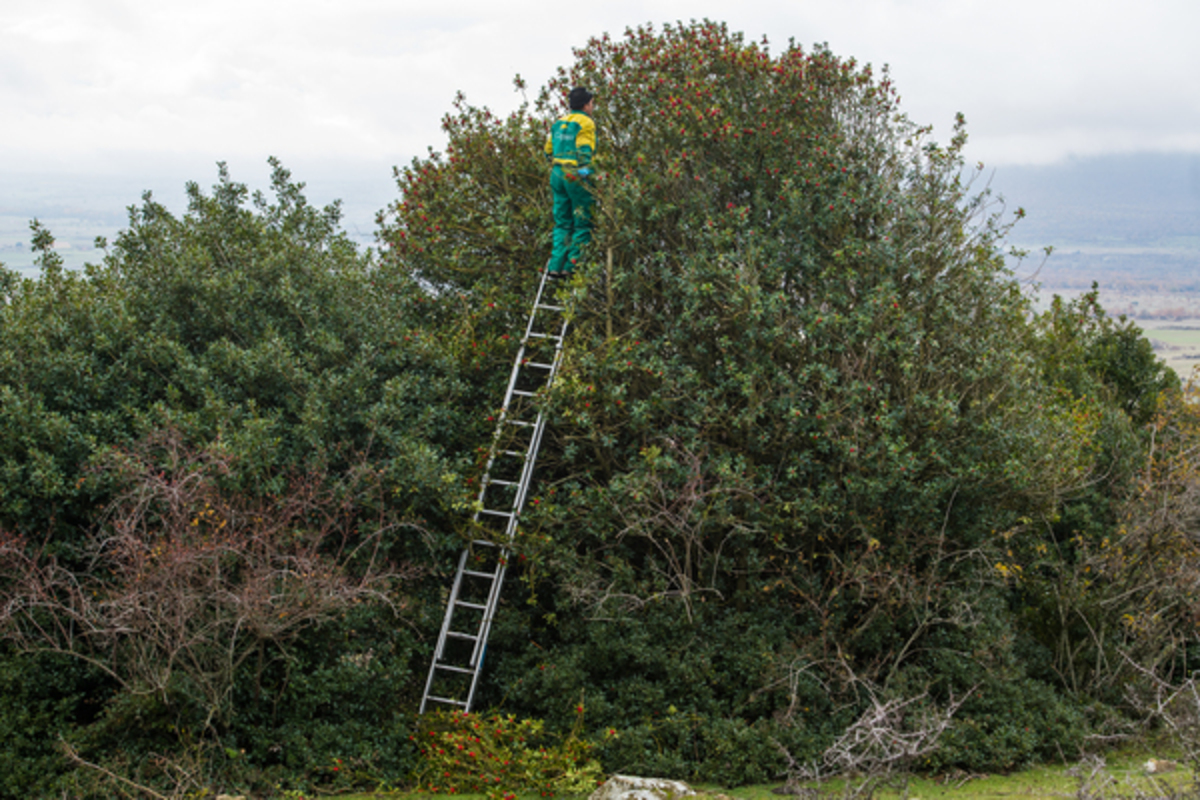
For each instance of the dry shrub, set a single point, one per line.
(878, 750)
(186, 578)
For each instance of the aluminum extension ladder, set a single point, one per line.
(475, 594)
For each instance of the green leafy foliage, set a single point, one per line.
(252, 334)
(798, 394)
(260, 327)
(338, 714)
(42, 697)
(1086, 351)
(703, 699)
(808, 437)
(1008, 724)
(1102, 369)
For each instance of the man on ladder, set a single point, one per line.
(474, 596)
(570, 146)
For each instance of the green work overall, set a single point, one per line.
(569, 147)
(572, 217)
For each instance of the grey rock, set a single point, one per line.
(628, 787)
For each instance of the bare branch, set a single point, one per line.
(186, 577)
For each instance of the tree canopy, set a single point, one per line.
(803, 413)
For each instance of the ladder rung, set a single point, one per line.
(530, 349)
(449, 668)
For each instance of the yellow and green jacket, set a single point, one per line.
(572, 140)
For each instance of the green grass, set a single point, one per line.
(1186, 337)
(1038, 783)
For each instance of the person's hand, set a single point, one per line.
(583, 172)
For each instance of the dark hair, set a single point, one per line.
(579, 98)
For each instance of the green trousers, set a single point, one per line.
(572, 217)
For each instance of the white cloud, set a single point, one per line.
(370, 79)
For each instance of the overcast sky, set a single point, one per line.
(101, 84)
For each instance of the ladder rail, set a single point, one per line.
(514, 377)
(520, 492)
(446, 619)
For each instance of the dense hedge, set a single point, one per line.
(810, 443)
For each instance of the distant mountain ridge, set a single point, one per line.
(78, 208)
(1111, 218)
(1131, 202)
